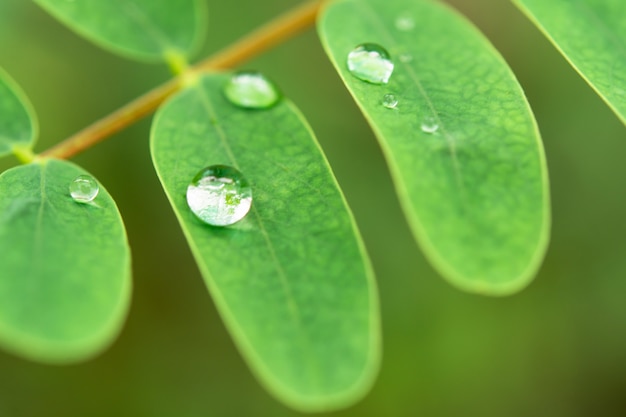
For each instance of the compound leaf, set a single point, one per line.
(461, 143)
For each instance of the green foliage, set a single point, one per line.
(591, 34)
(475, 190)
(65, 284)
(18, 125)
(143, 29)
(291, 280)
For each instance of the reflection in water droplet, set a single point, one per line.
(251, 89)
(84, 189)
(405, 57)
(430, 125)
(390, 101)
(219, 195)
(405, 22)
(370, 62)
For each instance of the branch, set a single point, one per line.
(282, 28)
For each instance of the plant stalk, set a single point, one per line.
(264, 38)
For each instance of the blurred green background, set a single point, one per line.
(556, 349)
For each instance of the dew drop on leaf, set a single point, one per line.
(219, 195)
(370, 62)
(405, 23)
(390, 101)
(84, 189)
(429, 125)
(251, 90)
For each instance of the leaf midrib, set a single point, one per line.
(448, 136)
(134, 12)
(38, 235)
(293, 306)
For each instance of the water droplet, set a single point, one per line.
(219, 195)
(405, 57)
(84, 189)
(370, 62)
(252, 90)
(390, 101)
(405, 22)
(430, 125)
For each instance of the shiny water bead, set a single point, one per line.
(429, 125)
(390, 101)
(252, 90)
(370, 62)
(219, 195)
(84, 189)
(405, 23)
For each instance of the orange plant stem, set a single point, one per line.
(282, 28)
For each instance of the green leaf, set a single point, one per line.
(18, 124)
(65, 283)
(144, 29)
(291, 280)
(462, 145)
(591, 35)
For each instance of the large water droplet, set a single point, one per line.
(429, 125)
(390, 101)
(370, 62)
(219, 195)
(405, 22)
(252, 90)
(84, 189)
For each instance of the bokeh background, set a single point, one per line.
(557, 349)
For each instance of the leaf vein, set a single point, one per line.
(436, 114)
(293, 308)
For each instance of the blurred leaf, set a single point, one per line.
(462, 144)
(143, 29)
(591, 35)
(65, 283)
(291, 280)
(18, 124)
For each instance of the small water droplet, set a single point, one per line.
(219, 195)
(405, 57)
(370, 62)
(390, 101)
(430, 125)
(252, 90)
(84, 189)
(405, 22)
